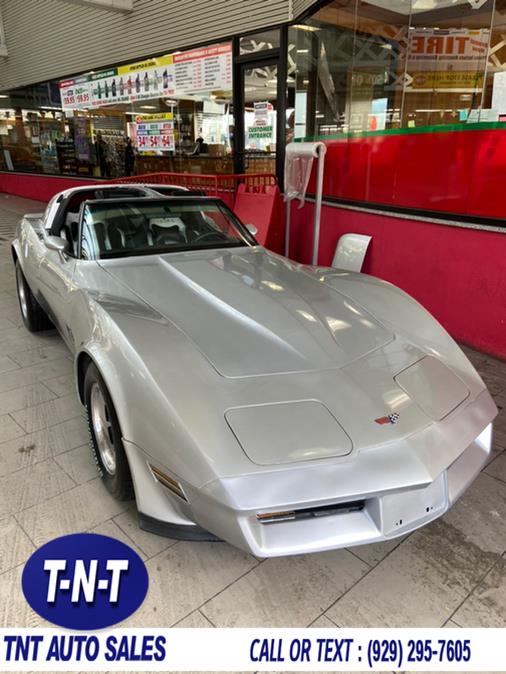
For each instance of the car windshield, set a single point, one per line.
(147, 226)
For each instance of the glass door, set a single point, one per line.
(260, 110)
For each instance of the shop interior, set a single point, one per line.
(349, 67)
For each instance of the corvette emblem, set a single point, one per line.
(390, 419)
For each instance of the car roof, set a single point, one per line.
(109, 186)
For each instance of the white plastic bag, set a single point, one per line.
(298, 165)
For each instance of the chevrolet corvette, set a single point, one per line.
(239, 395)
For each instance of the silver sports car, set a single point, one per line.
(239, 395)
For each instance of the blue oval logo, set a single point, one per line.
(85, 581)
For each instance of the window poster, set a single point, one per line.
(155, 133)
(197, 70)
(447, 59)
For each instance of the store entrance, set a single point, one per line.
(259, 84)
(257, 126)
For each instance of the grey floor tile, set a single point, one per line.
(7, 364)
(29, 375)
(149, 543)
(286, 591)
(17, 333)
(26, 348)
(49, 413)
(61, 386)
(194, 620)
(186, 575)
(323, 622)
(16, 547)
(480, 514)
(497, 468)
(26, 396)
(14, 609)
(493, 373)
(5, 324)
(113, 531)
(9, 429)
(420, 584)
(78, 509)
(79, 463)
(486, 607)
(35, 447)
(375, 552)
(31, 486)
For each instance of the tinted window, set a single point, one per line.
(123, 227)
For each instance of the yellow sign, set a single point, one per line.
(156, 117)
(448, 79)
(146, 65)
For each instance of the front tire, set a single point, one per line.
(105, 437)
(34, 317)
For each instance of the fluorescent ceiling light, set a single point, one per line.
(310, 29)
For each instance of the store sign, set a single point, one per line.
(155, 132)
(261, 111)
(450, 58)
(198, 70)
(75, 94)
(206, 69)
(134, 82)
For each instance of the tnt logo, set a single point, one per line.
(84, 582)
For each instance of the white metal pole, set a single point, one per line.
(318, 204)
(287, 227)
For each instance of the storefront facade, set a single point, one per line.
(344, 71)
(409, 97)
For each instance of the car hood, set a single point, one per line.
(251, 312)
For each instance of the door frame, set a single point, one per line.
(277, 56)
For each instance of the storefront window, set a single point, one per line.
(374, 65)
(265, 40)
(172, 113)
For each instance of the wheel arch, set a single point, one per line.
(82, 361)
(109, 373)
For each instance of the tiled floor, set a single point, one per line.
(453, 570)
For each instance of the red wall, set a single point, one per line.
(458, 169)
(458, 274)
(36, 186)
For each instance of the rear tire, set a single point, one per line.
(105, 437)
(34, 317)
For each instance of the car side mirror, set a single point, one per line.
(57, 243)
(252, 229)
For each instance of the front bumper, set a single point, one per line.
(401, 486)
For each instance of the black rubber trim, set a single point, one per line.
(181, 532)
(499, 223)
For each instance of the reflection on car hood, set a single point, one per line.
(251, 312)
